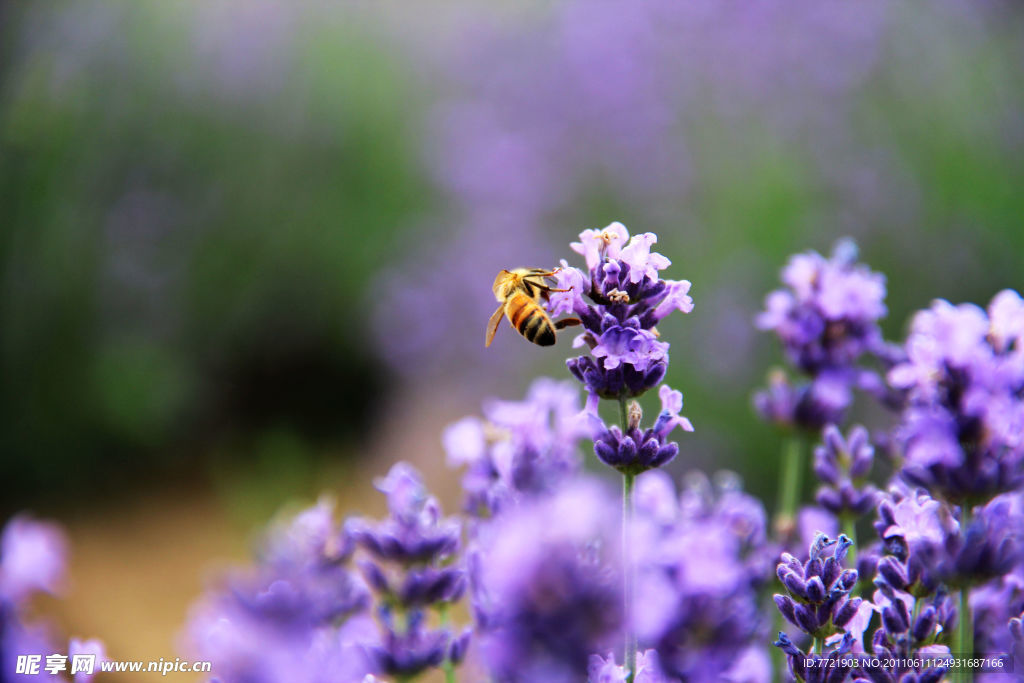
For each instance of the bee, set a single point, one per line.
(519, 293)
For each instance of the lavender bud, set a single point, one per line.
(815, 589)
(924, 624)
(374, 576)
(893, 572)
(847, 580)
(846, 611)
(458, 647)
(786, 607)
(805, 618)
(795, 585)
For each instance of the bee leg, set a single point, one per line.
(567, 322)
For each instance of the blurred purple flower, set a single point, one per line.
(826, 318)
(298, 614)
(519, 448)
(546, 587)
(701, 559)
(413, 566)
(415, 532)
(963, 378)
(842, 465)
(32, 559)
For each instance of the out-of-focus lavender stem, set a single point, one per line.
(790, 479)
(849, 527)
(964, 642)
(629, 656)
(448, 666)
(627, 568)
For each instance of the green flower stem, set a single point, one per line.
(849, 527)
(779, 666)
(449, 668)
(629, 588)
(790, 475)
(964, 638)
(790, 480)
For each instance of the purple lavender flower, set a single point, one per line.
(628, 298)
(842, 465)
(701, 560)
(519, 448)
(998, 609)
(32, 559)
(910, 623)
(637, 451)
(412, 567)
(826, 318)
(964, 383)
(819, 601)
(928, 546)
(298, 614)
(914, 528)
(546, 586)
(406, 651)
(415, 533)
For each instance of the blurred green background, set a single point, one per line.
(246, 248)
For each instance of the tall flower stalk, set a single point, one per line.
(826, 318)
(620, 299)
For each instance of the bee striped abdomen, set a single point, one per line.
(530, 320)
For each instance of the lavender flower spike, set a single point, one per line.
(963, 379)
(826, 318)
(413, 567)
(415, 533)
(637, 451)
(627, 298)
(819, 601)
(842, 465)
(546, 586)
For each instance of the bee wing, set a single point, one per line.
(492, 325)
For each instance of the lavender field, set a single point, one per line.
(754, 406)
